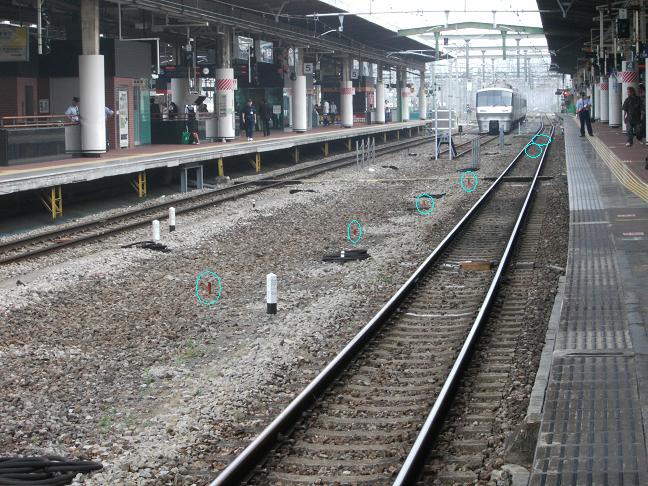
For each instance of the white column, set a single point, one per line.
(629, 79)
(614, 101)
(92, 89)
(423, 96)
(300, 117)
(597, 102)
(380, 102)
(93, 101)
(604, 100)
(346, 102)
(405, 95)
(180, 92)
(224, 102)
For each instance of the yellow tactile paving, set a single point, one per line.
(618, 167)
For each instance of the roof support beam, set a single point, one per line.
(471, 25)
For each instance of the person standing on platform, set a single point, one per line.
(72, 111)
(333, 112)
(265, 112)
(642, 125)
(583, 110)
(108, 112)
(249, 119)
(173, 111)
(632, 114)
(325, 112)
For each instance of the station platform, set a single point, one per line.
(594, 413)
(135, 160)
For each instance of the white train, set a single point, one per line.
(499, 107)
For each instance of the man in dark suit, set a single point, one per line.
(265, 112)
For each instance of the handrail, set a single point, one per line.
(245, 462)
(36, 121)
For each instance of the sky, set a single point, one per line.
(419, 13)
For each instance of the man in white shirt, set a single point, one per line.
(72, 111)
(325, 112)
(583, 107)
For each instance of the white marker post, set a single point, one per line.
(156, 230)
(271, 297)
(172, 222)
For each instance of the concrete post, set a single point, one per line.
(483, 67)
(380, 95)
(91, 83)
(180, 92)
(224, 89)
(604, 100)
(422, 96)
(405, 94)
(467, 59)
(629, 79)
(614, 104)
(518, 56)
(346, 95)
(597, 102)
(299, 110)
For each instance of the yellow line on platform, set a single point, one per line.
(625, 176)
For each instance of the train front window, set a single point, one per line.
(494, 98)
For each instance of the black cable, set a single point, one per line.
(45, 470)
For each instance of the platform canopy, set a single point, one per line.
(567, 25)
(310, 24)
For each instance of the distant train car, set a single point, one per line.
(499, 107)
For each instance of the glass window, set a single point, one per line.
(494, 98)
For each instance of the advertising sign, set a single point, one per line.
(123, 118)
(14, 43)
(266, 52)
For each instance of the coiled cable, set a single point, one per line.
(45, 470)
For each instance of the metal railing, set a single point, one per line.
(36, 121)
(365, 152)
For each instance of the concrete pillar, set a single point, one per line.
(346, 95)
(224, 88)
(380, 102)
(604, 100)
(614, 101)
(90, 27)
(300, 117)
(629, 79)
(180, 92)
(597, 101)
(404, 94)
(91, 83)
(422, 96)
(517, 40)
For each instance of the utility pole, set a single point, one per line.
(467, 59)
(493, 66)
(518, 57)
(483, 67)
(526, 66)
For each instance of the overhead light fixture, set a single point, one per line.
(447, 14)
(494, 20)
(341, 17)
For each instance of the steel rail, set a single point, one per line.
(415, 460)
(252, 455)
(252, 186)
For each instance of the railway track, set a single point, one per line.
(356, 422)
(57, 239)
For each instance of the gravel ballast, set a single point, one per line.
(108, 355)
